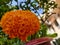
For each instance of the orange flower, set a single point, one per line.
(20, 24)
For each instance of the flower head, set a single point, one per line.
(20, 24)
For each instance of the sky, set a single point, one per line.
(14, 3)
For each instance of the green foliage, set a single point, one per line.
(42, 33)
(4, 2)
(6, 8)
(46, 4)
(37, 4)
(3, 9)
(52, 35)
(4, 40)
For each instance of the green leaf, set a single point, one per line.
(43, 30)
(52, 35)
(4, 2)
